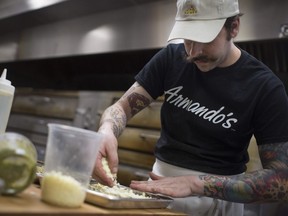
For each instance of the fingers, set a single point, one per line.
(153, 186)
(170, 186)
(108, 150)
(99, 173)
(142, 186)
(113, 162)
(110, 153)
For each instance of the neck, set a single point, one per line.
(232, 56)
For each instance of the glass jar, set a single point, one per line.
(18, 160)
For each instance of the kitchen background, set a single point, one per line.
(70, 59)
(101, 45)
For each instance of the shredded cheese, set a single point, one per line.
(62, 190)
(118, 191)
(108, 171)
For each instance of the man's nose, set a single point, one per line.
(195, 49)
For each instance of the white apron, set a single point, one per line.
(196, 205)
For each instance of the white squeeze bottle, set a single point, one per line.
(6, 98)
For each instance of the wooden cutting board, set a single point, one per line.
(29, 203)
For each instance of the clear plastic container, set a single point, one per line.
(69, 160)
(6, 99)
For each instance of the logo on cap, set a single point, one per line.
(192, 10)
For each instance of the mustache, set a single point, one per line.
(198, 58)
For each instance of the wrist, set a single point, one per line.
(106, 128)
(197, 186)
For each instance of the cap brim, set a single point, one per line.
(203, 31)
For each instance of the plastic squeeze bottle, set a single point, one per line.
(6, 98)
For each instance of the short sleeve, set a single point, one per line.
(271, 115)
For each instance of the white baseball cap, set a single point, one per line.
(202, 20)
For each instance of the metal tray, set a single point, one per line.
(114, 202)
(110, 201)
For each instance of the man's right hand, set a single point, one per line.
(108, 150)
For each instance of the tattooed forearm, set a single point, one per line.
(118, 119)
(137, 102)
(269, 184)
(259, 186)
(126, 107)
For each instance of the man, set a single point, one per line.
(216, 97)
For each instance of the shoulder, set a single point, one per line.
(170, 56)
(176, 48)
(252, 64)
(258, 71)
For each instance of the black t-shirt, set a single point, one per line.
(208, 118)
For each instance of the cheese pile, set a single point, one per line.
(118, 191)
(62, 190)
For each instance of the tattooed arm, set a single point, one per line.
(269, 184)
(112, 124)
(116, 116)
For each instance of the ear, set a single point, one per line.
(235, 27)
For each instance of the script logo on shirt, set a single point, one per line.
(211, 115)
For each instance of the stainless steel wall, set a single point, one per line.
(139, 27)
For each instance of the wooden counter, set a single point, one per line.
(29, 203)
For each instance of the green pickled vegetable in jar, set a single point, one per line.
(18, 160)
